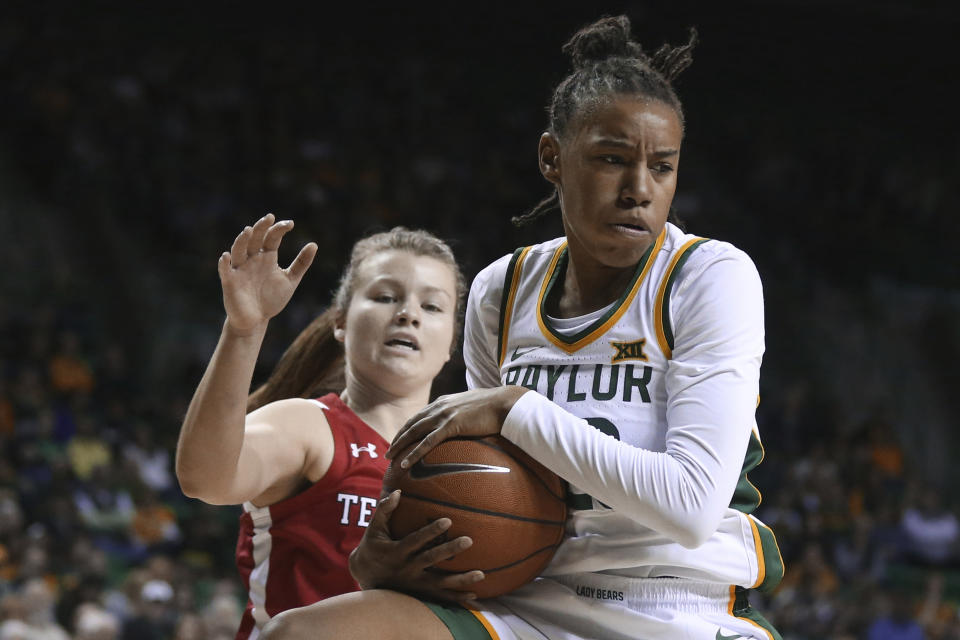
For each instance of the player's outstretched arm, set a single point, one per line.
(404, 565)
(255, 288)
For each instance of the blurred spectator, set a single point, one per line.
(887, 538)
(154, 526)
(35, 558)
(87, 450)
(38, 603)
(807, 592)
(11, 515)
(221, 617)
(896, 620)
(853, 554)
(15, 630)
(103, 502)
(931, 530)
(886, 454)
(151, 460)
(106, 508)
(12, 606)
(68, 370)
(939, 617)
(192, 627)
(123, 599)
(94, 623)
(83, 580)
(154, 616)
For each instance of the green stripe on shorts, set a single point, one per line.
(462, 624)
(742, 609)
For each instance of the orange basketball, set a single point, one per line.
(508, 503)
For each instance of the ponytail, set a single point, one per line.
(311, 366)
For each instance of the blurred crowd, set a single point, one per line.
(130, 159)
(96, 540)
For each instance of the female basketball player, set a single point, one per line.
(308, 471)
(624, 356)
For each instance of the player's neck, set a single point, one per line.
(586, 290)
(383, 411)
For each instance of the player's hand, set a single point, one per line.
(255, 287)
(404, 565)
(475, 413)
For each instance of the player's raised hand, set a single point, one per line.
(474, 413)
(405, 564)
(255, 287)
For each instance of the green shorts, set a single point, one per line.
(463, 624)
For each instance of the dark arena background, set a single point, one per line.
(137, 139)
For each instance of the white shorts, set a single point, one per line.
(597, 606)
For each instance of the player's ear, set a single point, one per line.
(548, 154)
(340, 328)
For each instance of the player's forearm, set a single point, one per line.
(680, 493)
(212, 433)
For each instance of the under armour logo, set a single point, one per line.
(370, 448)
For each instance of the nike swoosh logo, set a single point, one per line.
(720, 636)
(517, 353)
(423, 470)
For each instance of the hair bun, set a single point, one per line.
(608, 37)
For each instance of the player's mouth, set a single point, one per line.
(403, 342)
(630, 228)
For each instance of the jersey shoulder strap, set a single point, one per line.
(510, 282)
(661, 307)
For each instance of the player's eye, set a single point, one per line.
(435, 308)
(612, 159)
(662, 168)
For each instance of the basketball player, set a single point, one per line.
(625, 357)
(308, 471)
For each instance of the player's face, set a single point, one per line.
(616, 170)
(398, 328)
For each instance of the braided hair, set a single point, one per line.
(608, 62)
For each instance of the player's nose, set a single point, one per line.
(635, 190)
(408, 313)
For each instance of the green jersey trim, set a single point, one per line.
(661, 309)
(602, 324)
(510, 283)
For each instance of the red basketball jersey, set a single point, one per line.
(294, 552)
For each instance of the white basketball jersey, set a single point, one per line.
(618, 374)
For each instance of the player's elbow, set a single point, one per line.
(692, 535)
(191, 484)
(698, 507)
(689, 528)
(194, 486)
(277, 628)
(210, 497)
(288, 625)
(196, 490)
(699, 524)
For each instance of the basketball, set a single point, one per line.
(508, 503)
